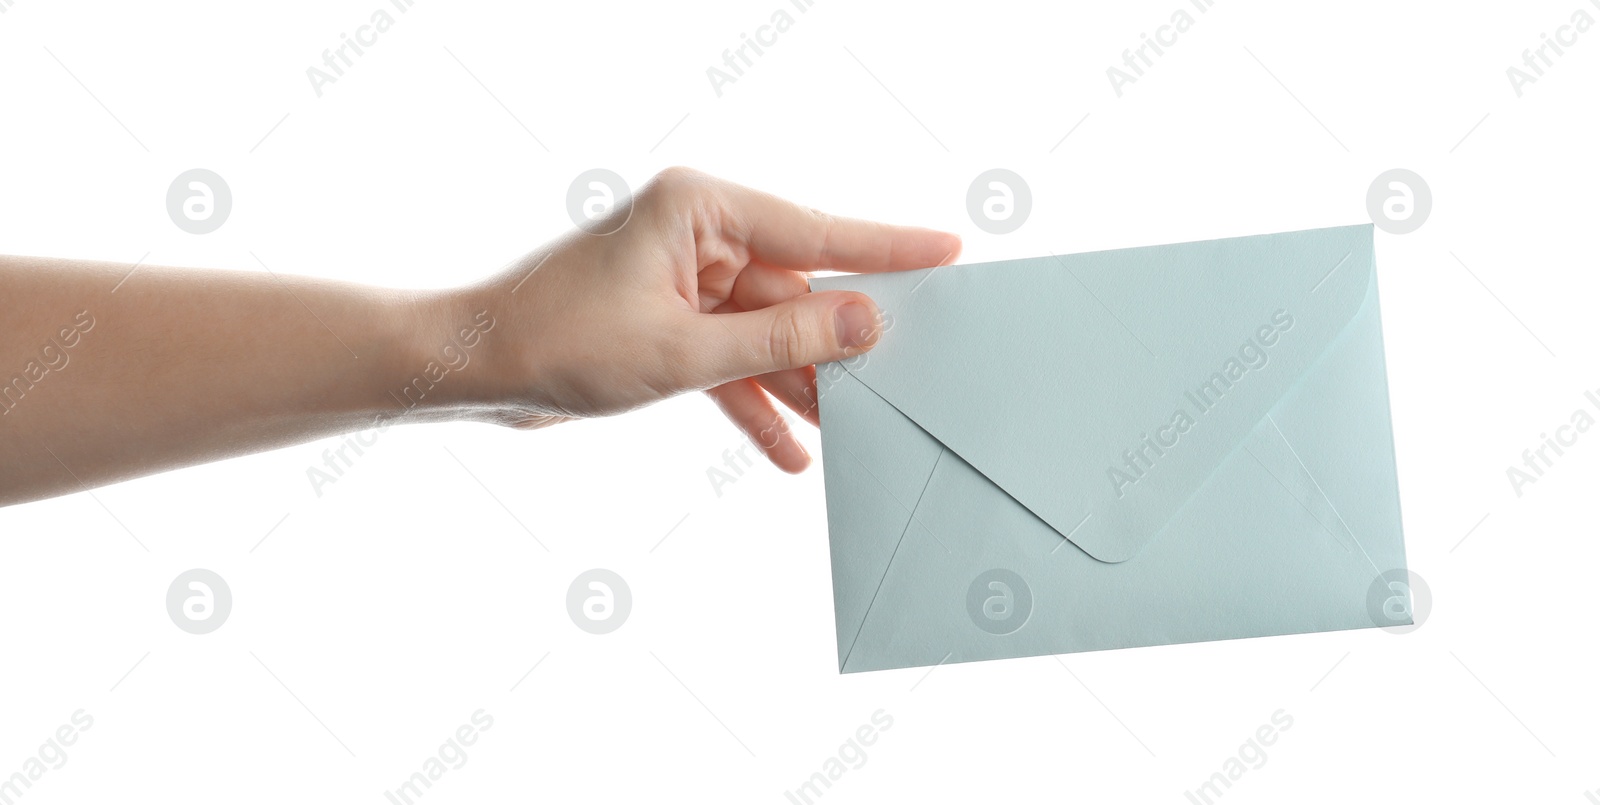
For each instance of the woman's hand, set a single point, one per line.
(703, 287)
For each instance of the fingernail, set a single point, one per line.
(855, 324)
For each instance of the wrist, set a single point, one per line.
(445, 372)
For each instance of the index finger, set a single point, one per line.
(785, 235)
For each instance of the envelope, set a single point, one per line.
(1122, 448)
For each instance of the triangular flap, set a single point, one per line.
(870, 506)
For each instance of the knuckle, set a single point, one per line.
(674, 181)
(787, 340)
(826, 224)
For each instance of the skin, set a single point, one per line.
(703, 288)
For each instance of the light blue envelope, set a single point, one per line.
(1123, 448)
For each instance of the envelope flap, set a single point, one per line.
(1101, 389)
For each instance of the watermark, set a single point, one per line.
(336, 460)
(852, 756)
(452, 754)
(199, 201)
(736, 460)
(593, 196)
(1537, 460)
(52, 755)
(336, 60)
(52, 356)
(1253, 356)
(998, 201)
(1136, 60)
(1252, 755)
(453, 356)
(5, 5)
(1538, 59)
(734, 463)
(599, 601)
(1398, 601)
(1399, 201)
(999, 601)
(199, 601)
(752, 47)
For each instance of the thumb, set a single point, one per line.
(808, 329)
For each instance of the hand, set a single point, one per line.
(703, 287)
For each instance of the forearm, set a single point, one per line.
(100, 382)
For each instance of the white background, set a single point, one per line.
(406, 597)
